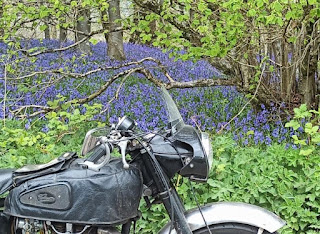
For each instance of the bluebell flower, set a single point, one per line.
(45, 129)
(27, 125)
(275, 132)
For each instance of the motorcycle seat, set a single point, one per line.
(5, 180)
(10, 178)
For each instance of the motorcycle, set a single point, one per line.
(100, 193)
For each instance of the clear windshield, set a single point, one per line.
(174, 116)
(92, 139)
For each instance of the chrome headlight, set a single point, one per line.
(206, 143)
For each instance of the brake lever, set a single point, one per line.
(96, 167)
(123, 147)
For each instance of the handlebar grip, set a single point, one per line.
(97, 153)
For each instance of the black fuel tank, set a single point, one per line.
(78, 195)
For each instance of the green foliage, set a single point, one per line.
(15, 16)
(308, 121)
(214, 28)
(62, 131)
(275, 178)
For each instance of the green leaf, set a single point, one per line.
(311, 129)
(53, 104)
(43, 14)
(93, 41)
(271, 68)
(312, 2)
(301, 112)
(277, 6)
(260, 3)
(306, 152)
(316, 139)
(252, 12)
(251, 132)
(294, 124)
(43, 27)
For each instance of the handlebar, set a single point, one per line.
(104, 149)
(99, 152)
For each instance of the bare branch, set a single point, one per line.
(82, 75)
(105, 86)
(142, 70)
(203, 83)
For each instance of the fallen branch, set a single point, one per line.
(83, 75)
(142, 70)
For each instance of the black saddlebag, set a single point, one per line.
(78, 195)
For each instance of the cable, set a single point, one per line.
(175, 148)
(199, 208)
(159, 171)
(190, 184)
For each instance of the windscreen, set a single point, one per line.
(92, 139)
(174, 116)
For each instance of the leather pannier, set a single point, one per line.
(79, 195)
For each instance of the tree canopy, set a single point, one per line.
(243, 39)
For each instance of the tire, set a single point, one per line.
(231, 228)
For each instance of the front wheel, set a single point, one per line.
(231, 228)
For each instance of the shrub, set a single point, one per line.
(275, 178)
(25, 142)
(307, 137)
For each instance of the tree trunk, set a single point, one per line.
(83, 28)
(114, 37)
(309, 71)
(62, 32)
(62, 35)
(287, 78)
(47, 32)
(45, 21)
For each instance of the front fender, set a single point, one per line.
(231, 212)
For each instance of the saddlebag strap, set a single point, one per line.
(33, 171)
